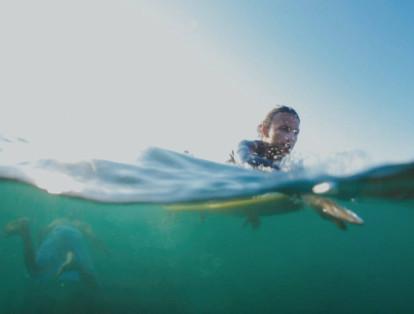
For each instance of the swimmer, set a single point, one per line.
(62, 254)
(278, 134)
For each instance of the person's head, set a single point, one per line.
(280, 129)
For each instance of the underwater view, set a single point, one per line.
(171, 233)
(206, 157)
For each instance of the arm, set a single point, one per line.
(247, 153)
(331, 210)
(70, 264)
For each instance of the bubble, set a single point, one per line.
(322, 188)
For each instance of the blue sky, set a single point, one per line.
(109, 77)
(346, 65)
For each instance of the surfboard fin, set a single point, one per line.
(341, 225)
(253, 220)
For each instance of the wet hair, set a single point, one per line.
(269, 117)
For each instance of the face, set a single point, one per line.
(283, 132)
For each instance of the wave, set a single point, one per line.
(163, 176)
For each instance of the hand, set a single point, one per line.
(68, 265)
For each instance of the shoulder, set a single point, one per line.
(253, 146)
(248, 143)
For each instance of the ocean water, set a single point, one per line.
(160, 260)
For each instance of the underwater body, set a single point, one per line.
(185, 235)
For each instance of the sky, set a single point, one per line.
(107, 78)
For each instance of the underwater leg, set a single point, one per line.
(21, 228)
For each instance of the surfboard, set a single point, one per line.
(227, 205)
(271, 204)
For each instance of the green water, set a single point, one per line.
(176, 263)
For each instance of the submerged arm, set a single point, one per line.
(329, 209)
(71, 263)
